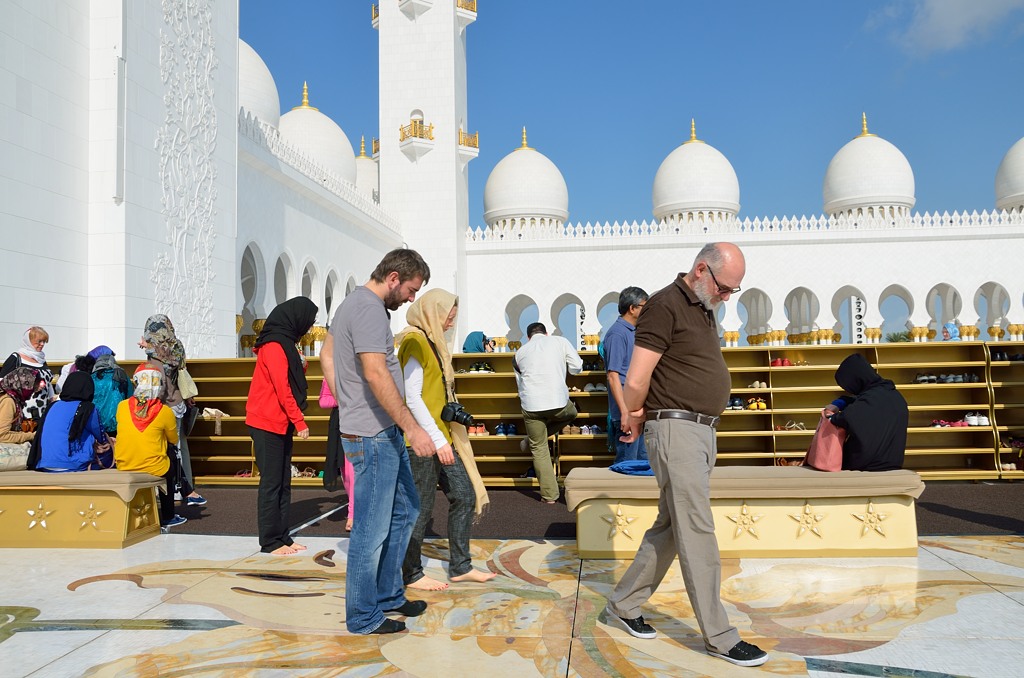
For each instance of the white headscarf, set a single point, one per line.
(30, 355)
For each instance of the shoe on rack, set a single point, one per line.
(932, 379)
(1016, 356)
(565, 430)
(786, 363)
(175, 521)
(743, 654)
(499, 430)
(777, 362)
(761, 404)
(574, 430)
(195, 501)
(983, 420)
(635, 627)
(763, 384)
(511, 430)
(600, 388)
(589, 388)
(596, 430)
(921, 378)
(971, 418)
(751, 403)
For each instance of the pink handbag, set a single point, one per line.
(826, 450)
(327, 401)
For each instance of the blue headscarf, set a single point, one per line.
(475, 343)
(954, 331)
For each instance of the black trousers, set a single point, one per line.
(174, 480)
(274, 458)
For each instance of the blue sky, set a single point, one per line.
(607, 88)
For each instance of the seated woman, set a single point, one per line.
(71, 438)
(146, 430)
(112, 385)
(875, 419)
(16, 387)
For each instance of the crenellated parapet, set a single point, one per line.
(269, 139)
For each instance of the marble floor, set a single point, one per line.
(186, 605)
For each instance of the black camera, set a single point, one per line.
(457, 413)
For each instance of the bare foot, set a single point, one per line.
(298, 547)
(475, 575)
(427, 584)
(283, 551)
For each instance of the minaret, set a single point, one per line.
(425, 144)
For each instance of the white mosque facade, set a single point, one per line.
(150, 163)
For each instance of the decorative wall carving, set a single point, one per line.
(186, 142)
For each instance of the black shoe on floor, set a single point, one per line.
(410, 608)
(637, 627)
(389, 626)
(743, 654)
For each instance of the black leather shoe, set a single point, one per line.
(411, 608)
(389, 626)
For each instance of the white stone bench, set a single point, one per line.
(85, 509)
(766, 512)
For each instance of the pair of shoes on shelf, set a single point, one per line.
(756, 404)
(1000, 357)
(591, 430)
(503, 429)
(735, 404)
(575, 430)
(758, 384)
(595, 388)
(976, 419)
(795, 426)
(478, 430)
(1008, 466)
(1017, 357)
(592, 366)
(951, 379)
(780, 362)
(925, 379)
(243, 474)
(574, 389)
(481, 368)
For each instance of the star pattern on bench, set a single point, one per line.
(872, 521)
(618, 522)
(90, 516)
(141, 513)
(745, 521)
(808, 520)
(38, 516)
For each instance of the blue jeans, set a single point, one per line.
(386, 508)
(626, 451)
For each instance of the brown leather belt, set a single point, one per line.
(348, 436)
(705, 419)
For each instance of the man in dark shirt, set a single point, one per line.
(676, 388)
(618, 350)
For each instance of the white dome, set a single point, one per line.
(525, 184)
(695, 177)
(318, 137)
(257, 92)
(1010, 178)
(868, 172)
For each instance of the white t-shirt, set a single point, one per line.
(543, 362)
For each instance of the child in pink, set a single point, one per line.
(336, 459)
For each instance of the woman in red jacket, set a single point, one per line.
(273, 412)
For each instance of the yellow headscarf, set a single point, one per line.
(426, 316)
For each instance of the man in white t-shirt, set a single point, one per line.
(540, 367)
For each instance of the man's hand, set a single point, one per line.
(446, 455)
(633, 425)
(304, 433)
(421, 443)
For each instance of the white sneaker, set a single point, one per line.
(971, 419)
(983, 420)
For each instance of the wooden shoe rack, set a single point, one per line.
(746, 437)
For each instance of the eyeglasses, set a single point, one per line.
(721, 289)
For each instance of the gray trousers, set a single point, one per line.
(682, 454)
(455, 483)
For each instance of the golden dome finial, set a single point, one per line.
(524, 146)
(305, 98)
(864, 126)
(693, 133)
(362, 146)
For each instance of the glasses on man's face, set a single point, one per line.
(721, 289)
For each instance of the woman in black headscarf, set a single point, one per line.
(273, 412)
(875, 419)
(70, 434)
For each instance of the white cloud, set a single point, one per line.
(944, 25)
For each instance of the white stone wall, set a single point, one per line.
(593, 262)
(44, 171)
(287, 208)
